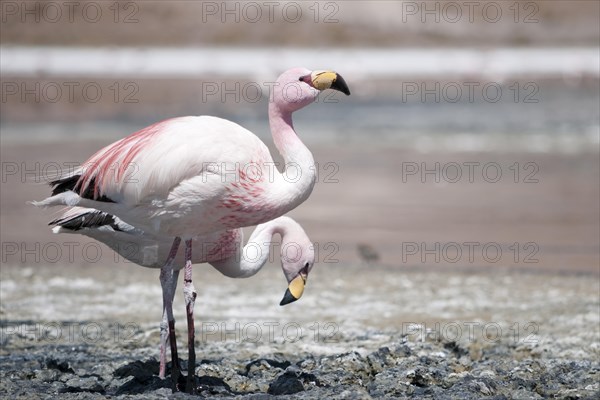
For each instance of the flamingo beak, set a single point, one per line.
(294, 290)
(329, 80)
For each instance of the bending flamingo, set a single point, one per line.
(223, 250)
(189, 176)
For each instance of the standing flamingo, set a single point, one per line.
(223, 250)
(189, 176)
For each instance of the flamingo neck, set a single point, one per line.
(253, 256)
(297, 180)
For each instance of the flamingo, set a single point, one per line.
(223, 250)
(189, 176)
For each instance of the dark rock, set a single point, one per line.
(266, 363)
(287, 383)
(212, 381)
(381, 359)
(419, 377)
(142, 371)
(456, 349)
(62, 366)
(144, 377)
(134, 386)
(310, 379)
(402, 351)
(210, 391)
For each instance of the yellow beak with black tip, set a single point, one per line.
(294, 290)
(329, 80)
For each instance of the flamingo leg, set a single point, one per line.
(164, 330)
(189, 292)
(167, 284)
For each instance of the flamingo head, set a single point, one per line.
(298, 87)
(297, 260)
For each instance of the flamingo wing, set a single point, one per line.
(186, 166)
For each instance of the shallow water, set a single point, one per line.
(268, 61)
(557, 118)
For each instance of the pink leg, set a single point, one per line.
(164, 330)
(166, 281)
(189, 293)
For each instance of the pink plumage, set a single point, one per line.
(188, 177)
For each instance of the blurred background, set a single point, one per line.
(444, 87)
(458, 184)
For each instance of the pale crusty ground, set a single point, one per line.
(358, 332)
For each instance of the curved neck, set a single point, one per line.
(249, 260)
(298, 178)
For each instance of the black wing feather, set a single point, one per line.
(69, 183)
(90, 219)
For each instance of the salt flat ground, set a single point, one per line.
(358, 332)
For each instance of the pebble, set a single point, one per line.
(398, 369)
